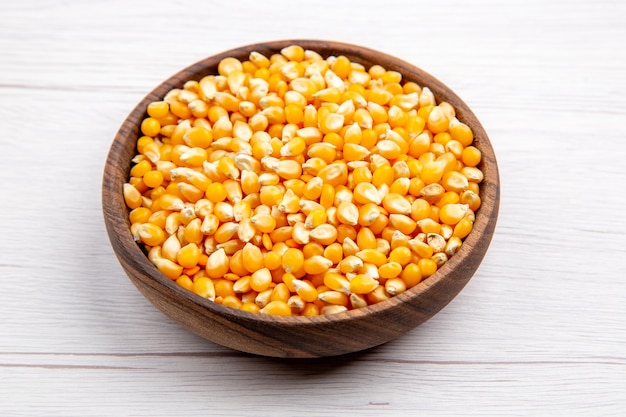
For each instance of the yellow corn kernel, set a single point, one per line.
(198, 137)
(153, 178)
(263, 222)
(470, 198)
(327, 195)
(246, 231)
(427, 267)
(313, 166)
(333, 309)
(204, 287)
(150, 234)
(150, 127)
(270, 195)
(403, 223)
(471, 156)
(139, 215)
(334, 174)
(281, 234)
(225, 232)
(438, 120)
(463, 228)
(324, 234)
(420, 209)
(228, 65)
(168, 268)
(334, 298)
(401, 255)
(378, 295)
(230, 301)
(422, 249)
(260, 280)
(290, 203)
(316, 264)
(296, 303)
(188, 256)
(227, 167)
(395, 286)
(305, 290)
(363, 284)
(315, 218)
(158, 109)
(216, 192)
(330, 95)
(325, 151)
(289, 169)
(428, 225)
(242, 285)
(185, 282)
(368, 214)
(233, 190)
(379, 223)
(449, 197)
(396, 204)
(132, 196)
(354, 152)
(400, 186)
(276, 308)
(372, 256)
(191, 193)
(250, 182)
(366, 192)
(262, 298)
(451, 214)
(388, 149)
(236, 263)
(348, 213)
(383, 175)
(217, 264)
(253, 259)
(294, 147)
(310, 309)
(390, 270)
(223, 288)
(461, 132)
(411, 275)
(280, 293)
(140, 169)
(474, 187)
(250, 307)
(292, 260)
(337, 282)
(366, 239)
(361, 174)
(383, 246)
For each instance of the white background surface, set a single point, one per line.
(540, 330)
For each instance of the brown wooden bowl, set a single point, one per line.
(297, 336)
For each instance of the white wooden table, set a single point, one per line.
(540, 330)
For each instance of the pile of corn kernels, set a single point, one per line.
(298, 185)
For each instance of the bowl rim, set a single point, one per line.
(133, 256)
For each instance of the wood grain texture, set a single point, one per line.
(538, 331)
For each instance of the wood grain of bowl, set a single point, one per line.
(297, 336)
